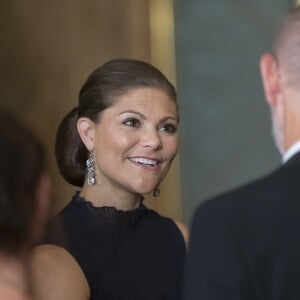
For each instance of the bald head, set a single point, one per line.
(287, 48)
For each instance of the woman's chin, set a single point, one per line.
(145, 191)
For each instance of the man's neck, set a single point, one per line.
(291, 151)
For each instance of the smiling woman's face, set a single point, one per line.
(136, 140)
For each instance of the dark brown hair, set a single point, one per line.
(21, 164)
(99, 92)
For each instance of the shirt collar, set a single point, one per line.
(295, 148)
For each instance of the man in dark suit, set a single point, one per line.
(245, 244)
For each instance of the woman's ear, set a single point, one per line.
(270, 74)
(86, 131)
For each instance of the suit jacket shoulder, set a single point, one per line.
(245, 243)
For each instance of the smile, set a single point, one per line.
(144, 161)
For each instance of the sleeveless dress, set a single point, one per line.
(125, 255)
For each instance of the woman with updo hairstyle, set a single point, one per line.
(116, 145)
(24, 191)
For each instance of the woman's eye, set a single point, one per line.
(132, 122)
(169, 128)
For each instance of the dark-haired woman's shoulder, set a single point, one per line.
(177, 227)
(184, 231)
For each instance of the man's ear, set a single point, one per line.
(86, 131)
(269, 70)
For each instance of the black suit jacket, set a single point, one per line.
(245, 244)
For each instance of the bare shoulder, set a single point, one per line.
(54, 269)
(184, 231)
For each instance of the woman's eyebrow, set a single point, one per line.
(133, 112)
(169, 118)
(144, 117)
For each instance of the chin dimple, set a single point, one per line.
(144, 161)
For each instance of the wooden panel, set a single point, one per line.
(48, 49)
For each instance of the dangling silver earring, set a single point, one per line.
(156, 191)
(90, 166)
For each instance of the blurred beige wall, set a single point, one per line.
(48, 49)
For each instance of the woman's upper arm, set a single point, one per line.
(56, 275)
(184, 231)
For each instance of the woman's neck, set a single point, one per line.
(13, 276)
(104, 196)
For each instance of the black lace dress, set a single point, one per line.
(132, 255)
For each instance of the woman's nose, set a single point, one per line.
(152, 139)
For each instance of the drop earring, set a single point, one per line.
(90, 166)
(156, 191)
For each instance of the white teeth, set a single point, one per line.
(144, 161)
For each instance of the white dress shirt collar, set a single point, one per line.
(295, 148)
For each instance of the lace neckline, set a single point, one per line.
(108, 211)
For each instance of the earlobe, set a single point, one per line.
(86, 130)
(269, 70)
